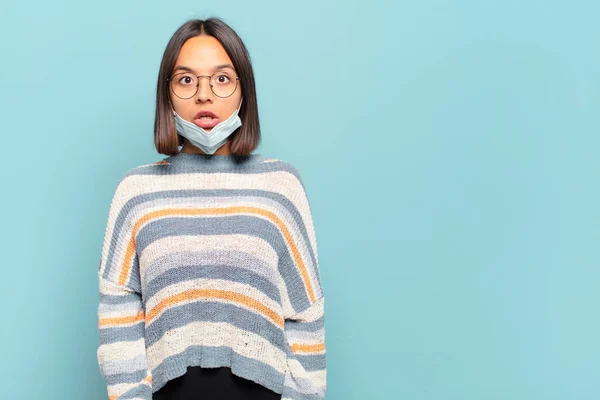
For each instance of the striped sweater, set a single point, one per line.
(211, 261)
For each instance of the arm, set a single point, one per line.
(305, 377)
(121, 352)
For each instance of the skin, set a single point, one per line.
(202, 54)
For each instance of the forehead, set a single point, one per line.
(202, 53)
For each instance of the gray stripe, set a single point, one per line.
(290, 393)
(204, 163)
(116, 300)
(226, 272)
(311, 326)
(235, 224)
(213, 311)
(311, 362)
(127, 377)
(238, 259)
(122, 334)
(212, 357)
(141, 391)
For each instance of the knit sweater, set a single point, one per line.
(210, 261)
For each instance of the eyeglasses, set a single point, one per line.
(185, 85)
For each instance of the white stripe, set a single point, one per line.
(216, 334)
(305, 337)
(106, 310)
(110, 288)
(121, 350)
(112, 367)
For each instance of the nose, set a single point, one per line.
(204, 91)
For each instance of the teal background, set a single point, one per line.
(450, 153)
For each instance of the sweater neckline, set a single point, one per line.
(196, 159)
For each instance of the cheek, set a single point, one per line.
(179, 106)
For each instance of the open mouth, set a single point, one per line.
(206, 122)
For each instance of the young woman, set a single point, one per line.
(209, 275)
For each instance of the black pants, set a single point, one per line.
(213, 384)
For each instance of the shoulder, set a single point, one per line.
(145, 169)
(287, 170)
(290, 182)
(155, 165)
(128, 179)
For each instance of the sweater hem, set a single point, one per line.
(214, 357)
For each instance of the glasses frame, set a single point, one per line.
(169, 79)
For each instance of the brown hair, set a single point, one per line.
(243, 140)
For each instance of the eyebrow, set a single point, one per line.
(216, 67)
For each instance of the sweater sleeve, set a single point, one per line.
(121, 321)
(305, 377)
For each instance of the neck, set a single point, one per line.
(214, 162)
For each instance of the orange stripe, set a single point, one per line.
(216, 211)
(308, 348)
(193, 294)
(121, 320)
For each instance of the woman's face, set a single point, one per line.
(204, 55)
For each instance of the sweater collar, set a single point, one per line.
(216, 160)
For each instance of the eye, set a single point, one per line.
(222, 78)
(186, 80)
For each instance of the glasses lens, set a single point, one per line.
(223, 83)
(184, 85)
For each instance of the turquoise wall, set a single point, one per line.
(450, 153)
